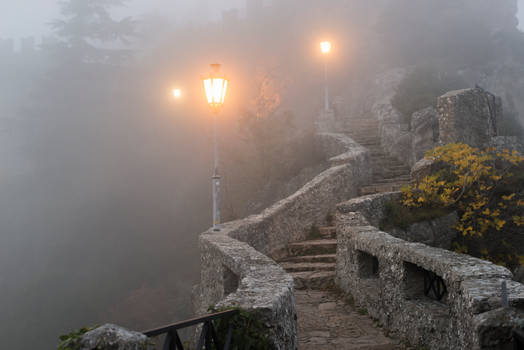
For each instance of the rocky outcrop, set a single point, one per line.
(468, 116)
(507, 142)
(112, 337)
(425, 131)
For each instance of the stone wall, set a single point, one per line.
(469, 116)
(386, 275)
(236, 268)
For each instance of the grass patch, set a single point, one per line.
(362, 311)
(314, 232)
(399, 216)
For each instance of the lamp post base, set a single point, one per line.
(216, 202)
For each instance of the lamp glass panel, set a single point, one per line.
(325, 46)
(208, 85)
(224, 90)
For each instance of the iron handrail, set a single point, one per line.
(208, 334)
(518, 340)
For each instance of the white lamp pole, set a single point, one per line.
(216, 88)
(325, 47)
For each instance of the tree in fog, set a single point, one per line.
(87, 28)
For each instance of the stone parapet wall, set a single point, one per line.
(236, 275)
(236, 264)
(386, 276)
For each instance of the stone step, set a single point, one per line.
(356, 124)
(385, 159)
(314, 279)
(392, 181)
(352, 122)
(389, 174)
(328, 232)
(395, 165)
(307, 266)
(370, 131)
(314, 247)
(389, 169)
(360, 132)
(323, 258)
(380, 188)
(368, 144)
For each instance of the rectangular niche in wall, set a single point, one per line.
(367, 265)
(230, 281)
(420, 283)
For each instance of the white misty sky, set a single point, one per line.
(20, 18)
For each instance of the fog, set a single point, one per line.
(106, 177)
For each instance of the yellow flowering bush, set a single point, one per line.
(484, 186)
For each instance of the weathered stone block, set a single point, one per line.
(468, 116)
(425, 129)
(112, 337)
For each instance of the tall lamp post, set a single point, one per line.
(325, 48)
(216, 87)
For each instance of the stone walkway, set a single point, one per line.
(327, 322)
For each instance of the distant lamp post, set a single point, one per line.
(325, 48)
(177, 93)
(216, 88)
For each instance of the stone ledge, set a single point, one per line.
(235, 266)
(473, 285)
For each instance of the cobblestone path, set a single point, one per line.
(326, 322)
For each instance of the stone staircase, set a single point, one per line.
(312, 265)
(389, 174)
(312, 262)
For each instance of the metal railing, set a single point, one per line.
(518, 340)
(208, 335)
(434, 286)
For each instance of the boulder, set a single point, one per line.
(113, 337)
(396, 141)
(519, 275)
(437, 233)
(507, 142)
(468, 116)
(424, 127)
(423, 168)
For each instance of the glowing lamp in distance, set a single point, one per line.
(325, 47)
(177, 93)
(216, 88)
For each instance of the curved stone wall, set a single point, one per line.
(236, 268)
(388, 277)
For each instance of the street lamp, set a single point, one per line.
(325, 48)
(177, 93)
(216, 87)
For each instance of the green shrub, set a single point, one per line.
(314, 232)
(249, 331)
(397, 215)
(486, 189)
(71, 340)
